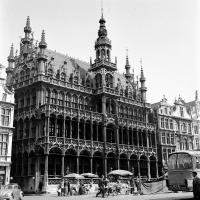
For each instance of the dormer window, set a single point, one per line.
(4, 97)
(63, 77)
(109, 80)
(5, 116)
(22, 76)
(50, 72)
(181, 112)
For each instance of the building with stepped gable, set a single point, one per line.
(178, 127)
(74, 116)
(6, 128)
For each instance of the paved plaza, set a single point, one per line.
(164, 196)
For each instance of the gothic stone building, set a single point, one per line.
(73, 116)
(6, 128)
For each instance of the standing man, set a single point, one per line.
(196, 186)
(101, 187)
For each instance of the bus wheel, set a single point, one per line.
(186, 184)
(167, 182)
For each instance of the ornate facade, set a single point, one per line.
(73, 116)
(6, 128)
(174, 129)
(193, 108)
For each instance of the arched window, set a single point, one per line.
(68, 100)
(54, 97)
(87, 104)
(130, 113)
(98, 80)
(27, 73)
(75, 101)
(126, 112)
(121, 111)
(50, 72)
(22, 75)
(108, 55)
(76, 80)
(98, 54)
(48, 96)
(63, 77)
(81, 103)
(103, 53)
(61, 99)
(88, 83)
(109, 80)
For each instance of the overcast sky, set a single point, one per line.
(164, 33)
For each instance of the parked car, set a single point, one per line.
(11, 192)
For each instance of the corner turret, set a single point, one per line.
(42, 58)
(127, 67)
(143, 89)
(9, 69)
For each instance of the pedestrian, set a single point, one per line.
(65, 189)
(138, 185)
(132, 185)
(101, 187)
(196, 186)
(59, 190)
(62, 188)
(68, 187)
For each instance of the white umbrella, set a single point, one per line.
(90, 175)
(74, 175)
(120, 172)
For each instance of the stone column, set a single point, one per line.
(138, 137)
(147, 135)
(45, 181)
(127, 133)
(77, 161)
(70, 125)
(128, 162)
(63, 165)
(63, 128)
(148, 167)
(138, 162)
(117, 147)
(36, 173)
(84, 130)
(97, 131)
(55, 133)
(47, 126)
(91, 166)
(105, 156)
(157, 169)
(104, 134)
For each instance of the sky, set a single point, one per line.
(165, 34)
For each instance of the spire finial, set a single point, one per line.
(11, 54)
(127, 60)
(43, 36)
(28, 21)
(43, 43)
(196, 95)
(27, 28)
(12, 51)
(102, 9)
(141, 63)
(142, 78)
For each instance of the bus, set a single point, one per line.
(180, 167)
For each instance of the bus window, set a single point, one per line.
(184, 161)
(172, 161)
(197, 162)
